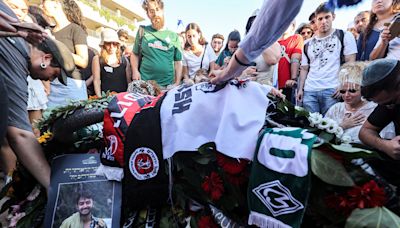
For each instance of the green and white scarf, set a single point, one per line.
(280, 181)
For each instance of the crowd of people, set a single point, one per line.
(317, 66)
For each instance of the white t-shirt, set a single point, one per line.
(193, 61)
(394, 48)
(324, 60)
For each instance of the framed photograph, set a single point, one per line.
(80, 198)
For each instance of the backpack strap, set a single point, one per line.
(141, 34)
(340, 34)
(305, 50)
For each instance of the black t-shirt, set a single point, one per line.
(383, 115)
(387, 168)
(72, 35)
(114, 78)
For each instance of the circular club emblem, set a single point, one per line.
(143, 163)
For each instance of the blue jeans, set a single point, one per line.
(319, 101)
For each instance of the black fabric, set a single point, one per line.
(382, 116)
(387, 168)
(116, 80)
(72, 35)
(4, 112)
(144, 132)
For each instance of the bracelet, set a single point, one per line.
(241, 63)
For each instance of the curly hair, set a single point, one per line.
(73, 12)
(145, 4)
(373, 19)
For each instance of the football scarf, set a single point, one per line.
(117, 119)
(230, 115)
(280, 178)
(145, 181)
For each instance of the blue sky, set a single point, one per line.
(222, 16)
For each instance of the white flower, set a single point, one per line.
(315, 119)
(346, 139)
(333, 126)
(325, 123)
(339, 132)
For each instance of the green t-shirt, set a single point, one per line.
(159, 51)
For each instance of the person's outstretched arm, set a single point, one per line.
(257, 40)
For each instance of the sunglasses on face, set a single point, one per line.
(111, 43)
(343, 91)
(306, 33)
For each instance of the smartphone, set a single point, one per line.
(26, 27)
(395, 27)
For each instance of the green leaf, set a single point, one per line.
(326, 136)
(373, 217)
(349, 151)
(329, 170)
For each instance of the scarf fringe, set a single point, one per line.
(264, 221)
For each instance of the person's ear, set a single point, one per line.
(47, 59)
(333, 16)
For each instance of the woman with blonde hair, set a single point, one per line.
(352, 113)
(111, 71)
(197, 53)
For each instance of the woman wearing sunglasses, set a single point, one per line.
(110, 70)
(352, 113)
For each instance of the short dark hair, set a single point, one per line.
(311, 17)
(83, 194)
(389, 83)
(324, 8)
(123, 33)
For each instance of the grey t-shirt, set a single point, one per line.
(14, 58)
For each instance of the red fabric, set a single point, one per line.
(119, 115)
(293, 44)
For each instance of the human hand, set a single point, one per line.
(392, 147)
(299, 96)
(385, 35)
(135, 75)
(290, 83)
(5, 25)
(249, 71)
(350, 120)
(277, 93)
(217, 76)
(226, 60)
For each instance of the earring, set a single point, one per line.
(43, 66)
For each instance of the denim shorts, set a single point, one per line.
(319, 101)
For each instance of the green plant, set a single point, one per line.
(109, 15)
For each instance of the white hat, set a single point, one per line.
(109, 35)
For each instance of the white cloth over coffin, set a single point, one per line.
(231, 117)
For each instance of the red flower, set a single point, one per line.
(231, 165)
(213, 186)
(368, 196)
(206, 222)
